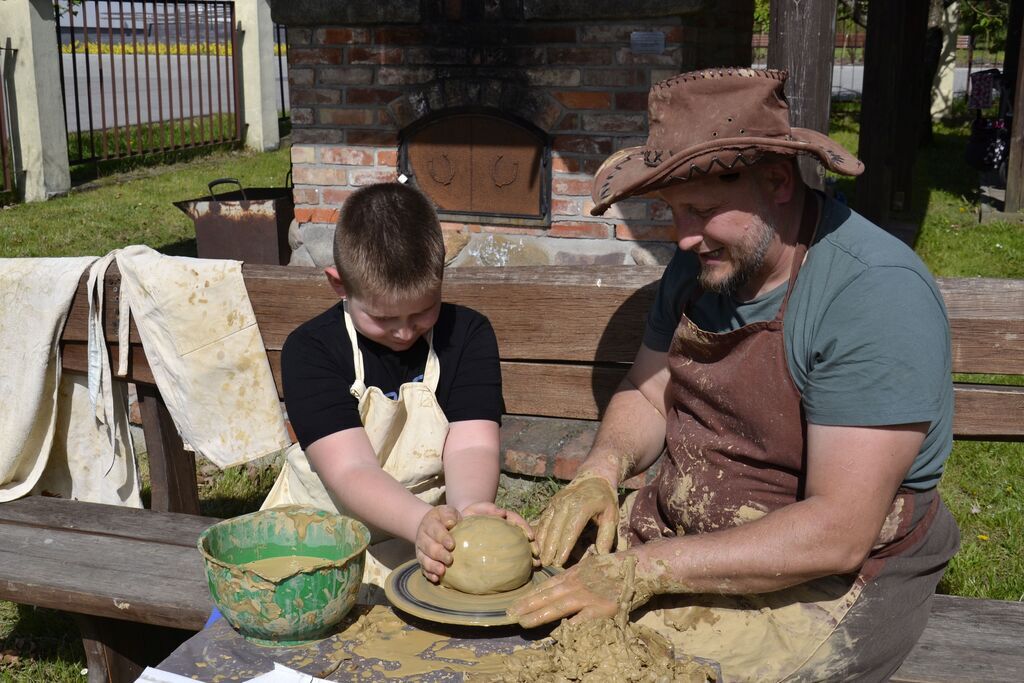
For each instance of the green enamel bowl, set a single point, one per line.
(290, 604)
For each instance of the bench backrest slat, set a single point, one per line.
(566, 334)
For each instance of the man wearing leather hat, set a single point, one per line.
(796, 371)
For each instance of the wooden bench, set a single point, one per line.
(566, 337)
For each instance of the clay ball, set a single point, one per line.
(491, 555)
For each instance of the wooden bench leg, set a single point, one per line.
(172, 469)
(117, 651)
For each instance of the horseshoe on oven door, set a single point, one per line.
(447, 180)
(494, 172)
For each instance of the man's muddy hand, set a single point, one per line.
(586, 498)
(592, 589)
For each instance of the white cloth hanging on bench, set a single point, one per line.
(205, 350)
(56, 441)
(67, 435)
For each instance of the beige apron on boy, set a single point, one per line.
(408, 435)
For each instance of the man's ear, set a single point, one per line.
(782, 179)
(337, 284)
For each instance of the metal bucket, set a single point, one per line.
(248, 225)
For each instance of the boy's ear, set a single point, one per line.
(336, 282)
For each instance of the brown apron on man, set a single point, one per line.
(735, 452)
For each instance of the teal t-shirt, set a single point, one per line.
(866, 333)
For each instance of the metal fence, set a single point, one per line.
(6, 154)
(848, 60)
(147, 77)
(281, 50)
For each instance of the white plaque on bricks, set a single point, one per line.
(647, 42)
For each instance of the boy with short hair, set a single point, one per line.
(394, 396)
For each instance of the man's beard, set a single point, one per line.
(747, 259)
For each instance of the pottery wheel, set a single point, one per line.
(410, 591)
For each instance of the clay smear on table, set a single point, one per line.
(404, 652)
(609, 650)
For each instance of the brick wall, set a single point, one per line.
(353, 89)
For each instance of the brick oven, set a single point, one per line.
(500, 110)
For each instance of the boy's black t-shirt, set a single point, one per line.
(317, 371)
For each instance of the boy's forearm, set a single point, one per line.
(471, 467)
(473, 479)
(348, 467)
(373, 496)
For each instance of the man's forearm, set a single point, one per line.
(630, 438)
(794, 544)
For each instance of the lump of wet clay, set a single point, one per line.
(602, 651)
(491, 555)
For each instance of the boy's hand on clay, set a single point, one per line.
(586, 498)
(594, 588)
(493, 510)
(434, 543)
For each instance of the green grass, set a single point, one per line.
(984, 488)
(526, 496)
(236, 490)
(161, 139)
(39, 645)
(134, 208)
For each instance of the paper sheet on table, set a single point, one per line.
(151, 675)
(282, 674)
(279, 674)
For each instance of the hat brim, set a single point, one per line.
(638, 170)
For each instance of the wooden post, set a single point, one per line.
(1015, 162)
(890, 120)
(1011, 55)
(172, 469)
(117, 651)
(802, 40)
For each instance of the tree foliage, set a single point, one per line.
(855, 10)
(762, 16)
(985, 20)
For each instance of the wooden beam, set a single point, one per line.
(890, 118)
(569, 314)
(117, 651)
(87, 574)
(967, 639)
(1015, 163)
(172, 469)
(1011, 51)
(801, 40)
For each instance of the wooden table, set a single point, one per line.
(220, 653)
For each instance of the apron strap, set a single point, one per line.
(808, 228)
(99, 377)
(431, 373)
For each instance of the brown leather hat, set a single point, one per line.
(709, 122)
